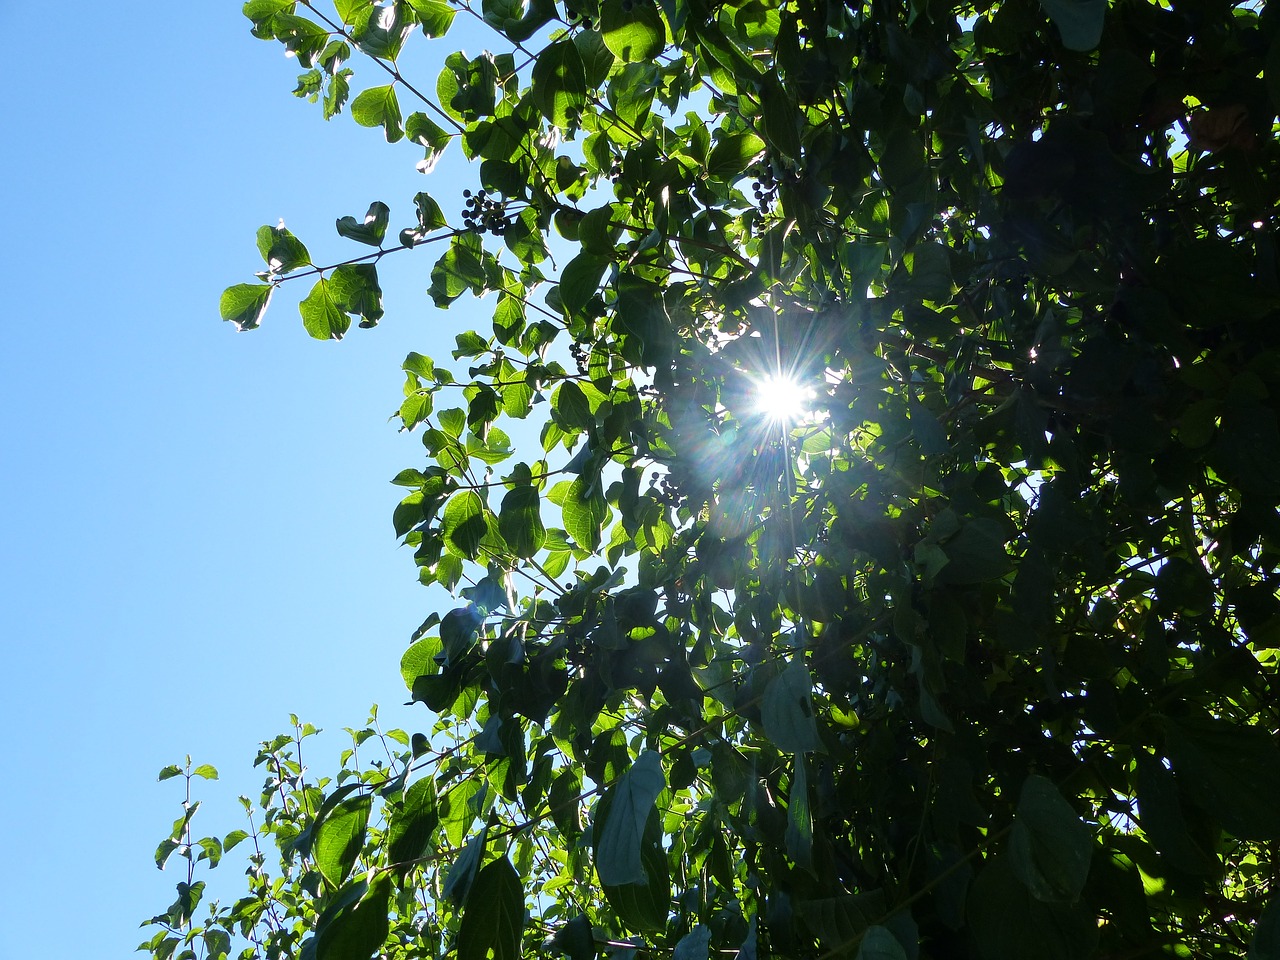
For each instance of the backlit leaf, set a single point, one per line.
(339, 838)
(379, 107)
(322, 315)
(633, 29)
(413, 822)
(464, 523)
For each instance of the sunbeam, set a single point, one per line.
(782, 399)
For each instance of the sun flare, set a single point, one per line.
(783, 400)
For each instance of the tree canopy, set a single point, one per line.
(897, 573)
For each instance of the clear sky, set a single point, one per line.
(197, 532)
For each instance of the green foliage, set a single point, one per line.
(975, 655)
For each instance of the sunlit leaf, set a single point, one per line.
(340, 836)
(379, 107)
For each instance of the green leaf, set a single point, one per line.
(929, 266)
(206, 770)
(799, 834)
(169, 772)
(355, 289)
(1266, 933)
(597, 232)
(408, 513)
(787, 710)
(372, 230)
(618, 839)
(839, 921)
(597, 59)
(493, 918)
(584, 512)
(322, 314)
(379, 107)
(414, 409)
(260, 10)
(211, 850)
(879, 943)
(1079, 22)
(459, 269)
(633, 29)
(1163, 820)
(732, 154)
(520, 521)
(571, 406)
(642, 906)
(517, 399)
(419, 659)
(435, 16)
(165, 850)
(244, 304)
(563, 799)
(469, 344)
(422, 130)
(1231, 771)
(1010, 924)
(349, 11)
(694, 945)
(782, 118)
(282, 251)
(413, 822)
(383, 34)
(575, 939)
(509, 17)
(464, 523)
(356, 933)
(580, 280)
(977, 554)
(1049, 847)
(339, 838)
(462, 874)
(336, 93)
(430, 217)
(559, 83)
(233, 838)
(301, 37)
(453, 421)
(217, 943)
(419, 365)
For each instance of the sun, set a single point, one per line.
(782, 399)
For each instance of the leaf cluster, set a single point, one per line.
(977, 656)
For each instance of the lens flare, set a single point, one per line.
(783, 400)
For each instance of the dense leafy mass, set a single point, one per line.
(974, 656)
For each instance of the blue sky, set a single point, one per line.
(197, 535)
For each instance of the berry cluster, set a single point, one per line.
(765, 187)
(484, 215)
(664, 490)
(581, 356)
(573, 16)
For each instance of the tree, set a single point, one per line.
(971, 652)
